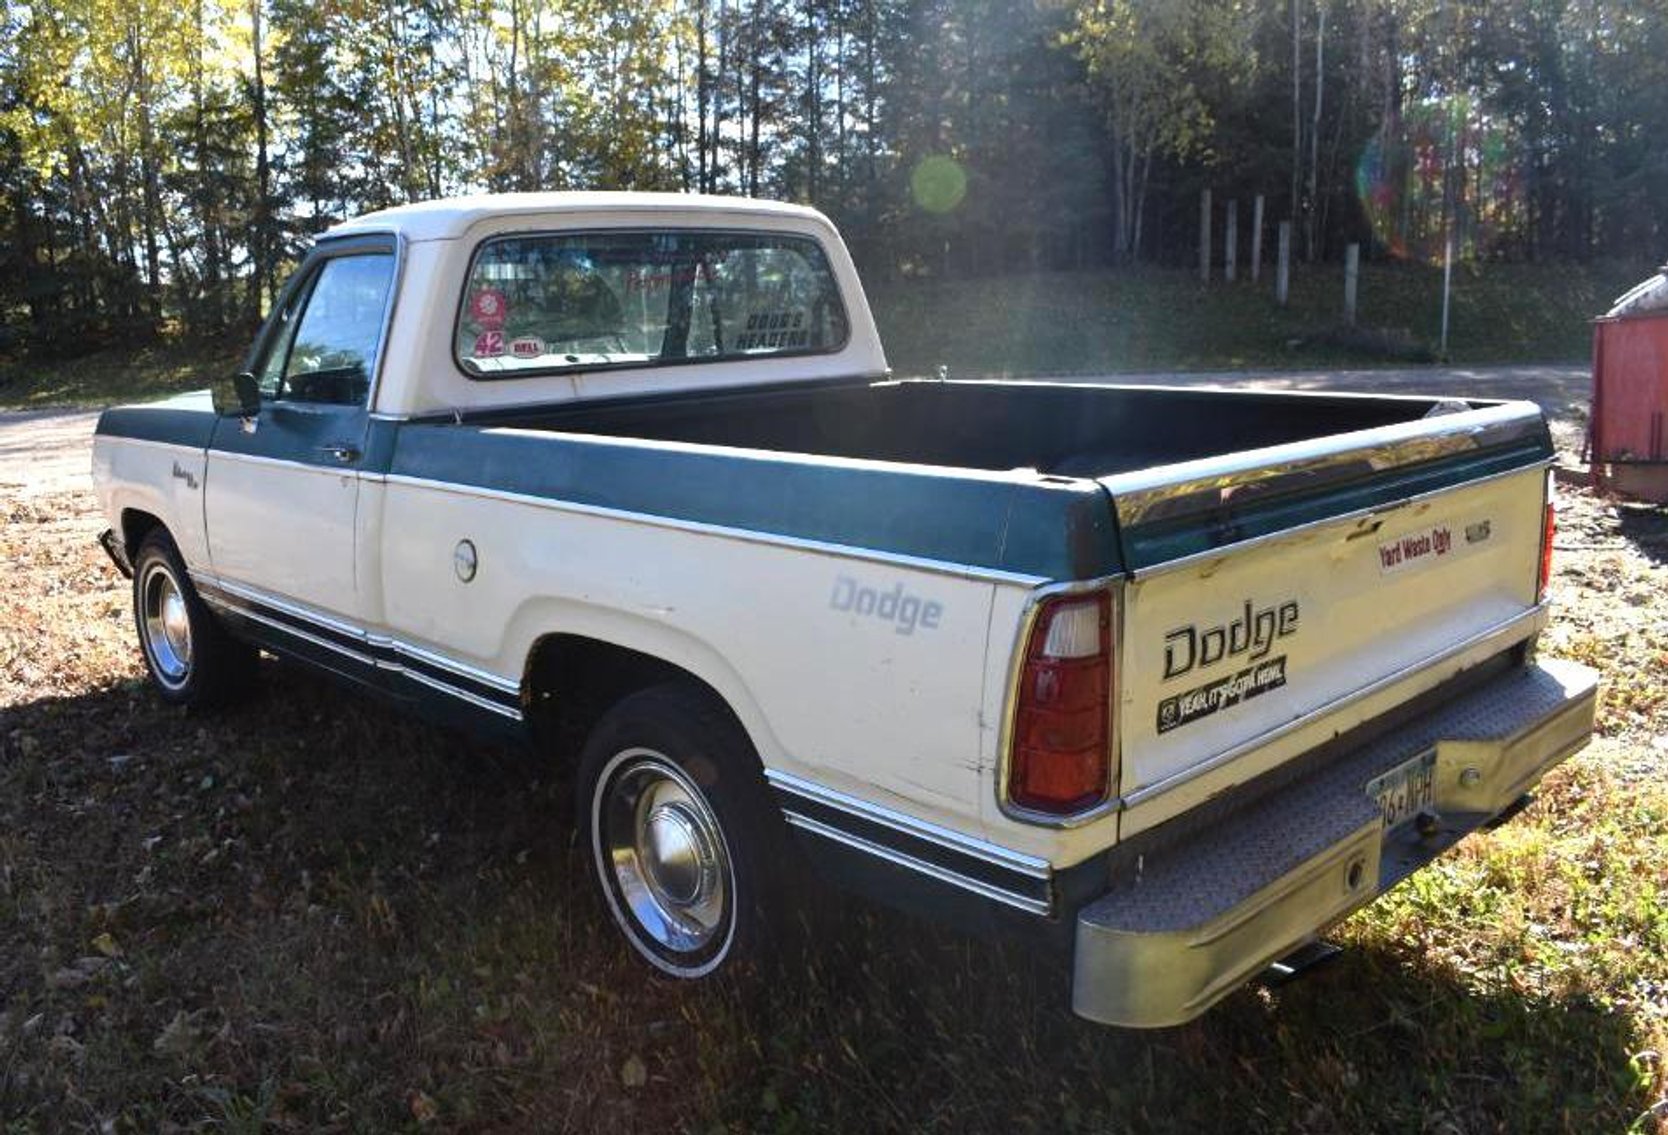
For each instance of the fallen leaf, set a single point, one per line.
(423, 1108)
(634, 1074)
(179, 1036)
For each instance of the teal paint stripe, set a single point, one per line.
(1056, 530)
(187, 419)
(1053, 530)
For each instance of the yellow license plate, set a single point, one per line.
(1406, 790)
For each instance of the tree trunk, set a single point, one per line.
(702, 97)
(1297, 106)
(755, 81)
(152, 202)
(208, 207)
(813, 103)
(261, 246)
(1314, 136)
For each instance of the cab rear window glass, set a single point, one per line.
(583, 301)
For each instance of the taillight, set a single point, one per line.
(1548, 531)
(1060, 751)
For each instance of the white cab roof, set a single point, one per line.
(420, 374)
(450, 218)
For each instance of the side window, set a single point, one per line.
(326, 349)
(270, 371)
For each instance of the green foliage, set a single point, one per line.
(160, 164)
(1091, 322)
(1151, 319)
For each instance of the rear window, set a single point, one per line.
(582, 301)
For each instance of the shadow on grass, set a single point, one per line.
(309, 914)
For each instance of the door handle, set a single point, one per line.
(341, 451)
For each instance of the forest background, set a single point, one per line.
(163, 163)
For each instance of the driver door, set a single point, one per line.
(282, 488)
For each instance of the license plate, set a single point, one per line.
(1405, 790)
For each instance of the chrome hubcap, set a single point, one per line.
(666, 867)
(166, 624)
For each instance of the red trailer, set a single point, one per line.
(1630, 393)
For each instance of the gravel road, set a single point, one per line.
(47, 451)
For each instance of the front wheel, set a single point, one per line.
(190, 657)
(682, 835)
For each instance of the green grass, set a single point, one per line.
(1083, 323)
(311, 913)
(118, 374)
(1164, 319)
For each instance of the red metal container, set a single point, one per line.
(1630, 402)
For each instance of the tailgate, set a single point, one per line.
(1334, 590)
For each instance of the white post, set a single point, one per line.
(1283, 269)
(1230, 243)
(1256, 237)
(1447, 286)
(1352, 271)
(1204, 236)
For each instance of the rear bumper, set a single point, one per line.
(1191, 922)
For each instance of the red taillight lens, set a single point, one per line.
(1544, 584)
(1060, 748)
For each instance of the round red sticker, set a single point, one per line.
(487, 308)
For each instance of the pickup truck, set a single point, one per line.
(1171, 678)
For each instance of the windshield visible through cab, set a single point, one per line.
(579, 301)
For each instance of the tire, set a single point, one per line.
(190, 657)
(686, 845)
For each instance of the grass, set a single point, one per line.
(310, 914)
(1164, 319)
(1060, 323)
(117, 374)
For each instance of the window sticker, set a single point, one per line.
(488, 308)
(774, 331)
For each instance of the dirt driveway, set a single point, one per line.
(45, 451)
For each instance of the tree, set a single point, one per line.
(1143, 57)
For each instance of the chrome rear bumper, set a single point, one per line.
(1199, 918)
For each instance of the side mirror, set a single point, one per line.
(240, 395)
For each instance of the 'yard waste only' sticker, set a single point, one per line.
(1432, 544)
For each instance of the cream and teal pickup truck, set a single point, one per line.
(1174, 678)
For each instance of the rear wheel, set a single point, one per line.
(684, 841)
(191, 658)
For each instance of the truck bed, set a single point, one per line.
(1061, 429)
(1400, 534)
(1187, 469)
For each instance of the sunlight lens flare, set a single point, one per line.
(1444, 166)
(938, 183)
